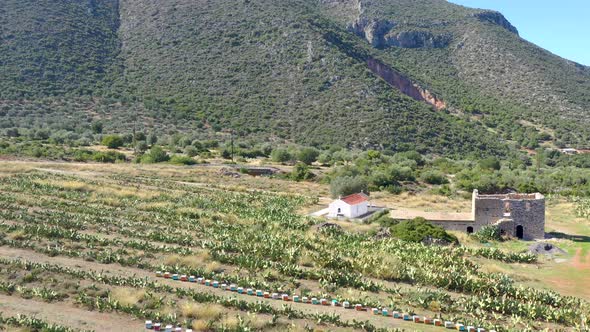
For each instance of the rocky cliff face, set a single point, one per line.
(373, 30)
(379, 34)
(402, 83)
(417, 39)
(496, 18)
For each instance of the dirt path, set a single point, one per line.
(115, 269)
(581, 263)
(63, 314)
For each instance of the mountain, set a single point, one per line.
(392, 74)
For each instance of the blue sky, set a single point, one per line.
(562, 27)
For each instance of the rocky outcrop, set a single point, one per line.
(417, 39)
(496, 18)
(373, 30)
(404, 84)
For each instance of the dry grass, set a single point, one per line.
(230, 323)
(201, 325)
(208, 312)
(127, 296)
(199, 259)
(425, 202)
(213, 267)
(66, 185)
(18, 235)
(153, 206)
(189, 309)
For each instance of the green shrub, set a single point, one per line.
(182, 160)
(346, 185)
(434, 177)
(490, 163)
(112, 141)
(155, 155)
(418, 229)
(280, 156)
(308, 155)
(301, 172)
(108, 157)
(488, 233)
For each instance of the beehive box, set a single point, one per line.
(266, 295)
(215, 284)
(158, 273)
(358, 307)
(449, 325)
(250, 291)
(167, 275)
(233, 287)
(175, 277)
(407, 316)
(149, 325)
(460, 327)
(437, 322)
(427, 320)
(384, 312)
(314, 301)
(240, 290)
(296, 298)
(259, 293)
(396, 314)
(183, 278)
(346, 304)
(471, 329)
(157, 326)
(375, 311)
(416, 319)
(192, 279)
(324, 302)
(305, 299)
(285, 297)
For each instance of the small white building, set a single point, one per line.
(351, 206)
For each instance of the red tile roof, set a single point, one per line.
(355, 199)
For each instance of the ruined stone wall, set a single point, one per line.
(511, 211)
(452, 225)
(530, 214)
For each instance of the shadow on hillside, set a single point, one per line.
(575, 238)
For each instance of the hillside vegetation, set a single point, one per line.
(289, 71)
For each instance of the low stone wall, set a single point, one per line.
(454, 225)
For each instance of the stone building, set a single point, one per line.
(517, 215)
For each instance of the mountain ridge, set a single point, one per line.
(269, 70)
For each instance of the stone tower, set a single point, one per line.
(518, 215)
